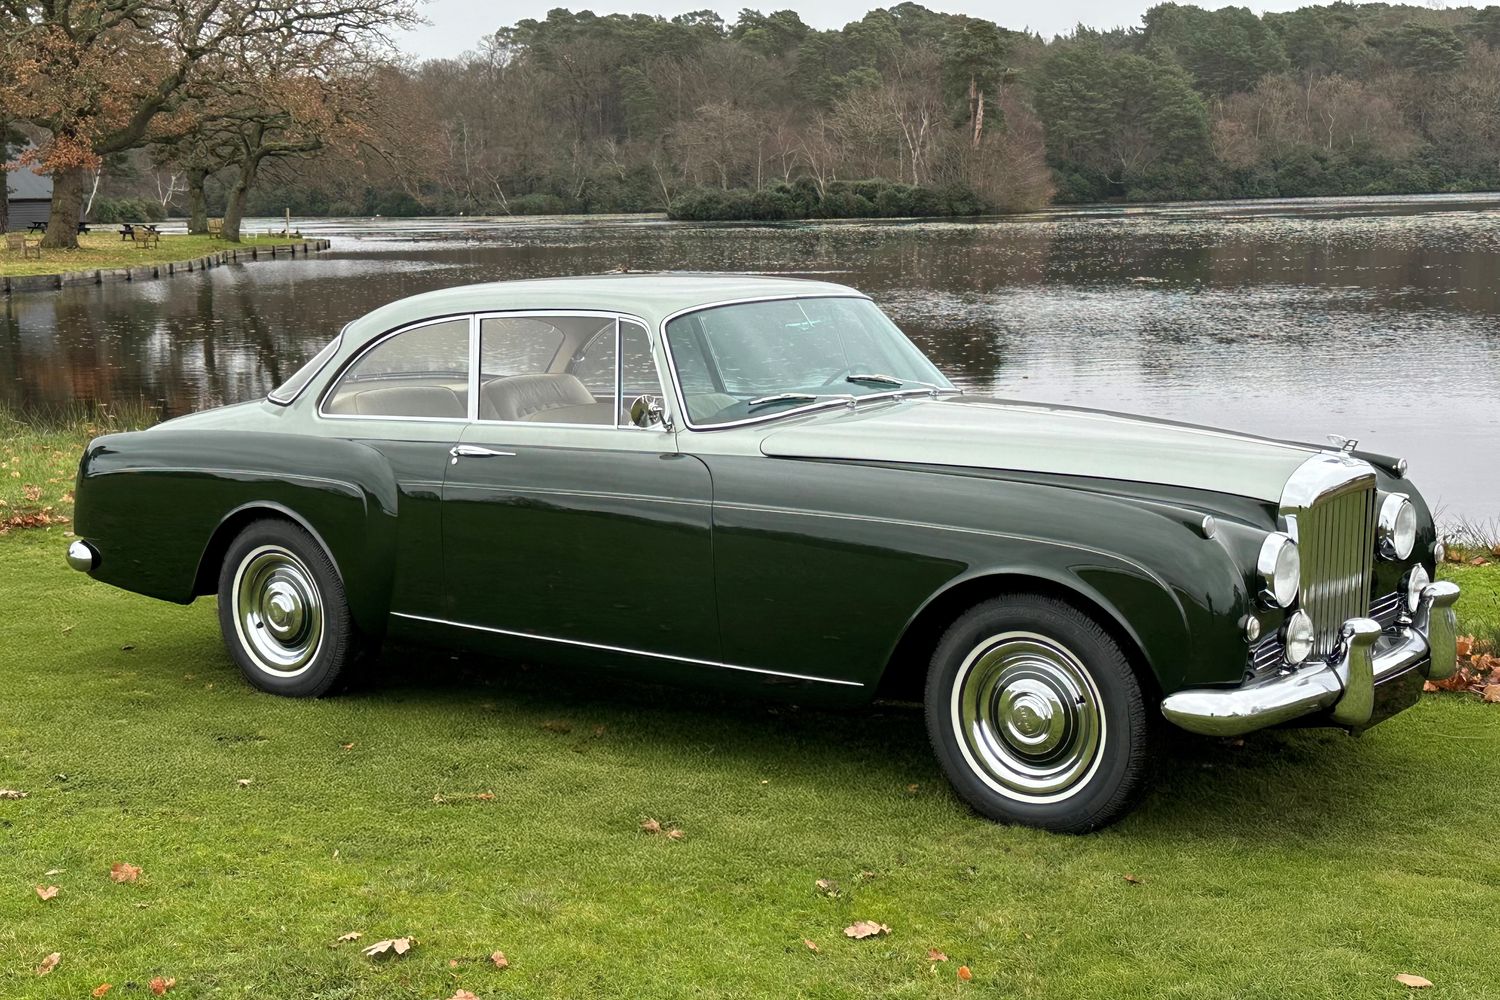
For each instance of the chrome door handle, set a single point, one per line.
(475, 451)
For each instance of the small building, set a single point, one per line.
(28, 198)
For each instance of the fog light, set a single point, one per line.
(1252, 628)
(1416, 582)
(1299, 637)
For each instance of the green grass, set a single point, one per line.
(105, 249)
(1297, 864)
(39, 460)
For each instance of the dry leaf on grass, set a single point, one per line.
(11, 793)
(1134, 880)
(351, 936)
(1464, 646)
(1415, 982)
(557, 726)
(244, 782)
(49, 963)
(159, 986)
(390, 946)
(651, 826)
(122, 872)
(1491, 694)
(933, 955)
(828, 887)
(346, 746)
(463, 995)
(861, 929)
(501, 962)
(964, 973)
(812, 945)
(46, 892)
(655, 828)
(100, 990)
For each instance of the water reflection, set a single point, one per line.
(1378, 319)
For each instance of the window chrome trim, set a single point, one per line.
(625, 649)
(337, 343)
(354, 359)
(822, 404)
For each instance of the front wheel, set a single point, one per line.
(1037, 716)
(282, 611)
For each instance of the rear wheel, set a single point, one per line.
(283, 612)
(1037, 716)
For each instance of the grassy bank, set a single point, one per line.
(482, 807)
(105, 249)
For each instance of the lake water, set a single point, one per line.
(1378, 319)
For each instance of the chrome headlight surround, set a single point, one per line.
(1396, 526)
(1299, 637)
(1416, 582)
(1280, 568)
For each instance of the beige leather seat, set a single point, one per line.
(557, 398)
(400, 401)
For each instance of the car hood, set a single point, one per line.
(981, 432)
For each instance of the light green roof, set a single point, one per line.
(652, 297)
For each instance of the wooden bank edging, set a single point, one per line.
(146, 272)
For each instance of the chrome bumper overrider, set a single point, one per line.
(1343, 685)
(82, 556)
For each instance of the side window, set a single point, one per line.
(420, 372)
(552, 369)
(637, 368)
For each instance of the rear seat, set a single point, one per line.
(400, 401)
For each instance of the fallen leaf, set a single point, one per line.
(244, 782)
(501, 962)
(812, 945)
(395, 946)
(49, 963)
(485, 796)
(100, 990)
(861, 929)
(452, 963)
(463, 995)
(964, 973)
(346, 746)
(1464, 646)
(1133, 880)
(933, 955)
(159, 986)
(127, 647)
(1479, 561)
(675, 834)
(828, 887)
(912, 789)
(45, 893)
(351, 936)
(1415, 982)
(599, 730)
(53, 871)
(1491, 694)
(557, 726)
(11, 793)
(1429, 687)
(122, 872)
(867, 876)
(651, 826)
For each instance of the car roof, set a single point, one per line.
(651, 296)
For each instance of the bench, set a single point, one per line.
(28, 246)
(145, 236)
(215, 229)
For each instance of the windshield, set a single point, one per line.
(292, 387)
(757, 359)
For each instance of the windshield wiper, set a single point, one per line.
(782, 397)
(877, 379)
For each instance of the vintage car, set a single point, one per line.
(762, 482)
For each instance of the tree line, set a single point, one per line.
(906, 108)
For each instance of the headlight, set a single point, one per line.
(1416, 582)
(1299, 637)
(1397, 526)
(1281, 568)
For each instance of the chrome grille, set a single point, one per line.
(1336, 539)
(1387, 608)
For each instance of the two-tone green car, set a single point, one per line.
(762, 482)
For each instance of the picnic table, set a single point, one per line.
(128, 229)
(41, 227)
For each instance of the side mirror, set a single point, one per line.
(646, 411)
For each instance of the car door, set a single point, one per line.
(406, 396)
(562, 521)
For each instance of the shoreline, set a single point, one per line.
(21, 283)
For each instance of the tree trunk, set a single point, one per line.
(67, 208)
(197, 207)
(234, 211)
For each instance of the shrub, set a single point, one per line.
(109, 210)
(537, 204)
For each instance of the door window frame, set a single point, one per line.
(334, 382)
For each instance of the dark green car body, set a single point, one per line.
(819, 551)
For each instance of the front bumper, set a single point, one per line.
(1343, 686)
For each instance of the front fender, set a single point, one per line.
(156, 504)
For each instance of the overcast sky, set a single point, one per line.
(457, 24)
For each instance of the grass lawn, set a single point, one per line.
(1292, 865)
(105, 249)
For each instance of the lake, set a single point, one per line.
(1377, 319)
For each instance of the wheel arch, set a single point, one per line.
(905, 670)
(211, 561)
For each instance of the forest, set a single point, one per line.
(904, 112)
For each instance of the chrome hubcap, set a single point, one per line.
(1028, 717)
(277, 611)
